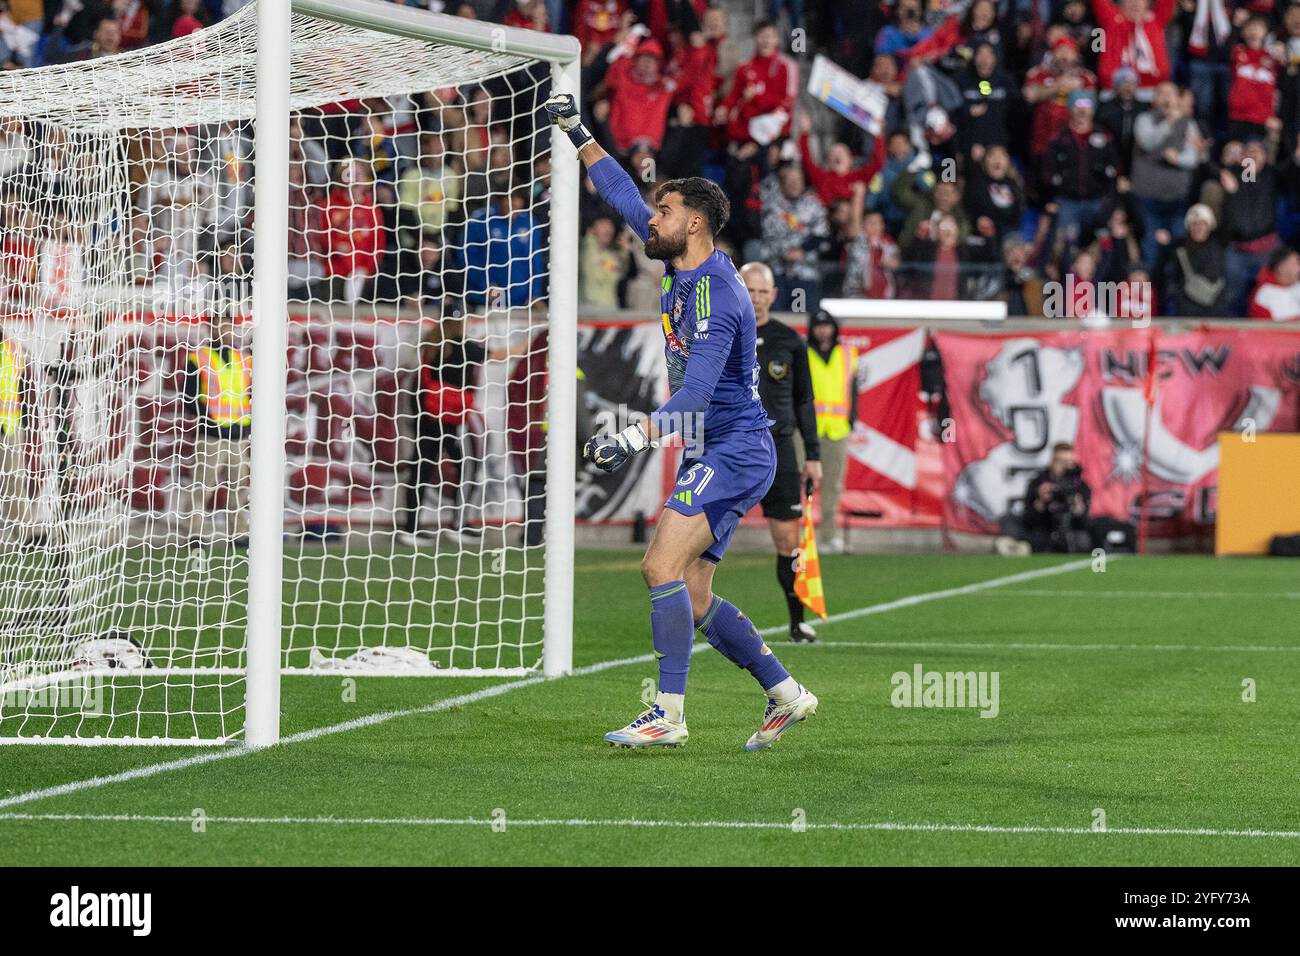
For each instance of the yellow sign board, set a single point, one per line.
(1259, 491)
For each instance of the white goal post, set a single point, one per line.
(381, 534)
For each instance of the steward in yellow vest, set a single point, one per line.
(15, 387)
(218, 391)
(833, 368)
(218, 387)
(17, 399)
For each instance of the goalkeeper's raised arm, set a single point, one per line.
(612, 182)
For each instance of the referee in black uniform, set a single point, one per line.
(785, 386)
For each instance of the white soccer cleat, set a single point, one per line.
(651, 729)
(778, 718)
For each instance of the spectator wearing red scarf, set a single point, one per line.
(1209, 30)
(1134, 35)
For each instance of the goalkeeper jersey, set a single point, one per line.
(708, 326)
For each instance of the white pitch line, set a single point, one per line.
(993, 646)
(1178, 595)
(915, 599)
(635, 823)
(383, 717)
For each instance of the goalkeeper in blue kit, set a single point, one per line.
(729, 461)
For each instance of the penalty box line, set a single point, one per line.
(487, 693)
(635, 823)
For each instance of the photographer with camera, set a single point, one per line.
(1055, 517)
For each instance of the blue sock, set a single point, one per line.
(736, 639)
(670, 625)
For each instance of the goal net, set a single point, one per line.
(419, 289)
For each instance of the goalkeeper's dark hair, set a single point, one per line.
(703, 196)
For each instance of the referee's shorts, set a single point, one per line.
(784, 500)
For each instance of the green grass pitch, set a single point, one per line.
(1120, 694)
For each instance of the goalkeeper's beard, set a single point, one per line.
(667, 248)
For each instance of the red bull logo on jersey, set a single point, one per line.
(674, 343)
(672, 322)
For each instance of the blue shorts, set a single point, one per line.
(723, 483)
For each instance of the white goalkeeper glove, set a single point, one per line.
(566, 115)
(612, 452)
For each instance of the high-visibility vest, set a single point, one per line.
(12, 366)
(224, 386)
(832, 383)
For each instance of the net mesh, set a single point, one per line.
(415, 390)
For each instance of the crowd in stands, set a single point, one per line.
(1152, 146)
(422, 196)
(1001, 146)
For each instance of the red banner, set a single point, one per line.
(893, 468)
(1013, 397)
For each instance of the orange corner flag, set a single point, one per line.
(808, 568)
